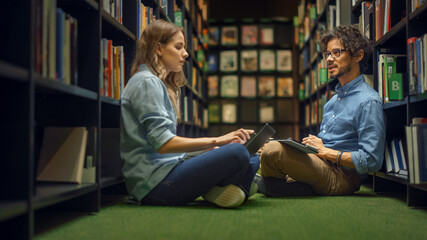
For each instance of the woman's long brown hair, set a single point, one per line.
(159, 31)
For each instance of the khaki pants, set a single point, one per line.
(326, 178)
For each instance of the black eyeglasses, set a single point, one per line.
(335, 53)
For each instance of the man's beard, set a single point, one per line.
(342, 71)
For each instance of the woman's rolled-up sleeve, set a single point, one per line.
(149, 104)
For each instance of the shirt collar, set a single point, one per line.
(344, 90)
(143, 67)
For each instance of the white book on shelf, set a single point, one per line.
(62, 154)
(409, 147)
(415, 154)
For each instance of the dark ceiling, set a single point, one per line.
(239, 9)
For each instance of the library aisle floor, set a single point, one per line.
(363, 215)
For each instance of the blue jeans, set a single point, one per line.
(229, 164)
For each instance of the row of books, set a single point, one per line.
(313, 112)
(417, 55)
(388, 14)
(145, 16)
(416, 140)
(114, 8)
(250, 35)
(251, 60)
(366, 19)
(391, 68)
(194, 112)
(307, 16)
(195, 80)
(67, 155)
(198, 13)
(395, 161)
(251, 111)
(250, 86)
(112, 82)
(416, 4)
(56, 38)
(317, 77)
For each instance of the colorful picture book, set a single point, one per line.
(267, 60)
(249, 60)
(248, 86)
(212, 62)
(266, 86)
(267, 35)
(228, 61)
(229, 86)
(249, 35)
(266, 112)
(229, 36)
(213, 36)
(213, 86)
(285, 87)
(284, 60)
(229, 111)
(214, 113)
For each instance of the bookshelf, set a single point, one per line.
(405, 23)
(44, 90)
(250, 76)
(315, 87)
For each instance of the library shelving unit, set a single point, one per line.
(193, 121)
(35, 98)
(405, 24)
(252, 106)
(315, 88)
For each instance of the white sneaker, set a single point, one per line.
(253, 189)
(229, 196)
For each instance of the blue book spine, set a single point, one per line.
(398, 153)
(60, 17)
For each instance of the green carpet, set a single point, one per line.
(364, 215)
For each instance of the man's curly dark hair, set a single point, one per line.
(351, 39)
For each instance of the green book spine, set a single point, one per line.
(395, 86)
(178, 19)
(296, 22)
(323, 75)
(312, 13)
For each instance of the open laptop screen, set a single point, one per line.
(258, 139)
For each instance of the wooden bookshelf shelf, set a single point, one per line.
(48, 194)
(91, 4)
(46, 85)
(395, 37)
(398, 178)
(394, 104)
(11, 71)
(110, 181)
(12, 208)
(109, 100)
(111, 27)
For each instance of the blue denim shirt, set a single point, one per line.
(353, 121)
(148, 121)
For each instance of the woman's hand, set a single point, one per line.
(238, 136)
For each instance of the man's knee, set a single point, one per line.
(272, 151)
